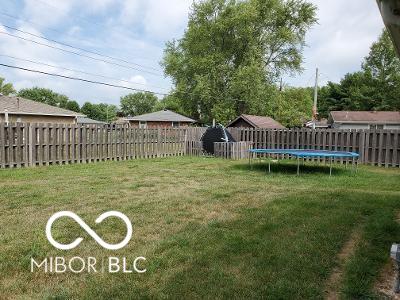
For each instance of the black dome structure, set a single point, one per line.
(213, 135)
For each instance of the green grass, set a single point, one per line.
(209, 228)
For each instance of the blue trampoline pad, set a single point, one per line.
(307, 153)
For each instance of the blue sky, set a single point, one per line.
(136, 31)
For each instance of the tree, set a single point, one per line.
(73, 105)
(6, 88)
(375, 87)
(293, 106)
(138, 103)
(100, 112)
(43, 95)
(232, 53)
(169, 102)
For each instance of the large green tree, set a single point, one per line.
(100, 112)
(232, 53)
(43, 95)
(375, 87)
(6, 88)
(138, 103)
(292, 107)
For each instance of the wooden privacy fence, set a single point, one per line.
(45, 144)
(39, 144)
(376, 147)
(235, 150)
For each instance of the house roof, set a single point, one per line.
(161, 116)
(22, 106)
(259, 122)
(86, 120)
(376, 117)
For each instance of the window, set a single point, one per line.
(176, 124)
(142, 124)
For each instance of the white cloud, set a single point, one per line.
(138, 79)
(338, 44)
(136, 30)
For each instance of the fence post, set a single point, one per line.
(2, 146)
(30, 145)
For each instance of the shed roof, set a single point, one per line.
(18, 105)
(377, 117)
(162, 116)
(258, 122)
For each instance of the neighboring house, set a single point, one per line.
(365, 119)
(320, 124)
(250, 121)
(82, 120)
(163, 118)
(16, 109)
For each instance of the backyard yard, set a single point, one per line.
(209, 228)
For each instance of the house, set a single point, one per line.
(250, 121)
(162, 118)
(82, 120)
(16, 109)
(365, 119)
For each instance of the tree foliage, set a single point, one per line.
(6, 88)
(293, 106)
(232, 53)
(138, 103)
(49, 97)
(375, 87)
(73, 106)
(100, 112)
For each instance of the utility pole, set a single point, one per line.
(315, 109)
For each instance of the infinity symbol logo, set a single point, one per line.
(93, 234)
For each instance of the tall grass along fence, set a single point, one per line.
(46, 144)
(376, 147)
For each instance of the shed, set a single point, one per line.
(251, 121)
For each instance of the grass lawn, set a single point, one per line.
(209, 229)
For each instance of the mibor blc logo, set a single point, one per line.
(89, 230)
(90, 264)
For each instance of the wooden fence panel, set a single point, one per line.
(376, 147)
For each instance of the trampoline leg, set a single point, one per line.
(298, 166)
(269, 166)
(330, 168)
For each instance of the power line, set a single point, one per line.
(77, 53)
(82, 79)
(77, 48)
(78, 71)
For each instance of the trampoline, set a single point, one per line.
(307, 153)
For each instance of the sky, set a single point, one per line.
(135, 31)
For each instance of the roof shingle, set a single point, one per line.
(383, 117)
(259, 122)
(17, 105)
(161, 116)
